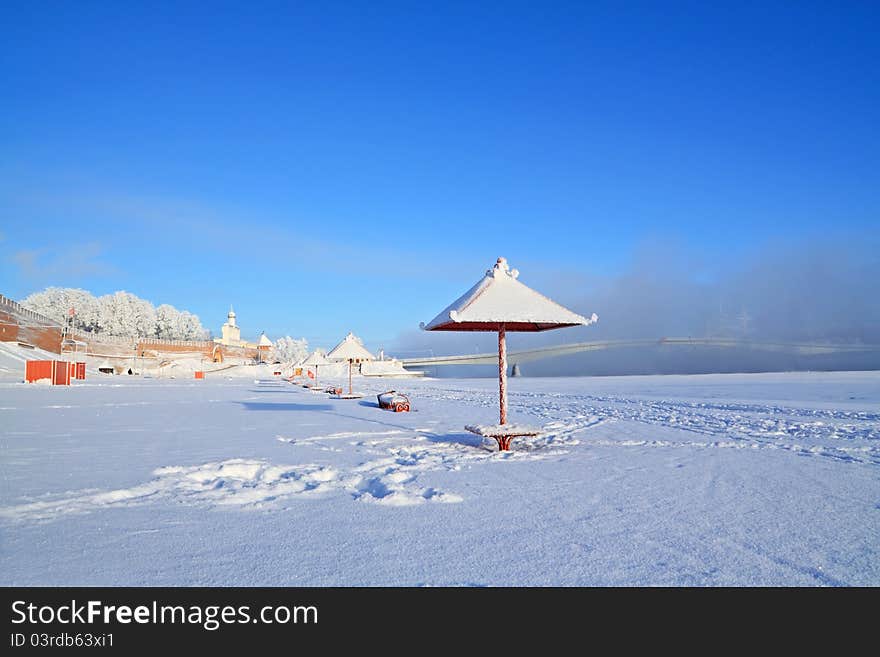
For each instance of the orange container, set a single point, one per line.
(61, 373)
(80, 370)
(34, 370)
(200, 375)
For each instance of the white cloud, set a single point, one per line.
(51, 264)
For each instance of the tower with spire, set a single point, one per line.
(230, 332)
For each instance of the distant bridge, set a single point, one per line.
(526, 355)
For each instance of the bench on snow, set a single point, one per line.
(502, 433)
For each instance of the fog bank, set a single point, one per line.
(817, 292)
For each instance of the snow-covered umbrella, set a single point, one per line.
(500, 303)
(352, 350)
(315, 359)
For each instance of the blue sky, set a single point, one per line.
(356, 166)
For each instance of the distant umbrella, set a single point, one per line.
(315, 359)
(351, 350)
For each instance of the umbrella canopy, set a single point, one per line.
(351, 348)
(500, 299)
(499, 302)
(317, 357)
(314, 359)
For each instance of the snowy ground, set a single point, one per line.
(762, 479)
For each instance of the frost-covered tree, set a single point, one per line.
(174, 324)
(167, 318)
(189, 327)
(124, 314)
(290, 350)
(119, 314)
(56, 302)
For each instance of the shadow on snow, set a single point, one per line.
(281, 406)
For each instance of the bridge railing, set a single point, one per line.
(578, 347)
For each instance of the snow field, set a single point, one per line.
(706, 480)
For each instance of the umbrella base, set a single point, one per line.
(502, 433)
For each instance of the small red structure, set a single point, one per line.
(81, 371)
(200, 375)
(61, 373)
(34, 370)
(57, 371)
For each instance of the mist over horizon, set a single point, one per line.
(808, 291)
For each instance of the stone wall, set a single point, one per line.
(18, 324)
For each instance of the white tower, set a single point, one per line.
(230, 332)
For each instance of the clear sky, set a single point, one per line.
(328, 167)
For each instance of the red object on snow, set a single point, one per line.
(60, 373)
(57, 371)
(394, 401)
(34, 370)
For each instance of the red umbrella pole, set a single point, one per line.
(502, 372)
(349, 377)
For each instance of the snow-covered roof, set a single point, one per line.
(264, 341)
(499, 298)
(351, 348)
(317, 357)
